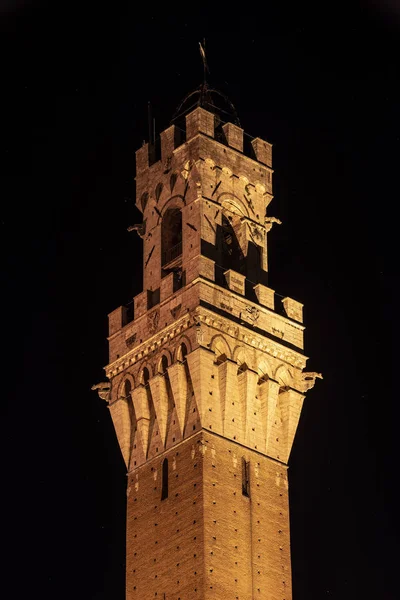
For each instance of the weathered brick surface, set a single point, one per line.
(165, 538)
(207, 540)
(246, 540)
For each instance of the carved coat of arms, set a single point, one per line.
(152, 320)
(252, 314)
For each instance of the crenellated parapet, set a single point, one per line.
(204, 372)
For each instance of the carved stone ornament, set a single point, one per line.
(269, 221)
(130, 340)
(176, 310)
(140, 228)
(257, 233)
(186, 170)
(199, 333)
(167, 164)
(103, 389)
(152, 320)
(252, 314)
(199, 189)
(306, 380)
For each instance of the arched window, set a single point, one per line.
(164, 476)
(182, 352)
(127, 389)
(164, 364)
(171, 235)
(230, 255)
(145, 376)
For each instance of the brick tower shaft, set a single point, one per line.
(206, 376)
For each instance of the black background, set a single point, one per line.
(323, 86)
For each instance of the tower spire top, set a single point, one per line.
(207, 97)
(204, 59)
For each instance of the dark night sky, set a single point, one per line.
(323, 87)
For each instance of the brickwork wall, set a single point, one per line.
(207, 540)
(246, 540)
(165, 538)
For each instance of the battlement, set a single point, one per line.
(201, 121)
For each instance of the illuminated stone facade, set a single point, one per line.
(207, 381)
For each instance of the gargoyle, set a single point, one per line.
(269, 221)
(140, 228)
(103, 389)
(307, 380)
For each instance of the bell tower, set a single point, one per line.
(206, 375)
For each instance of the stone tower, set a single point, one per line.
(206, 375)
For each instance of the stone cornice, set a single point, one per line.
(243, 334)
(151, 344)
(263, 309)
(258, 340)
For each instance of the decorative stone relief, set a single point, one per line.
(167, 164)
(278, 332)
(199, 333)
(152, 320)
(199, 189)
(130, 340)
(210, 163)
(256, 233)
(176, 310)
(234, 459)
(252, 314)
(186, 170)
(202, 447)
(227, 171)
